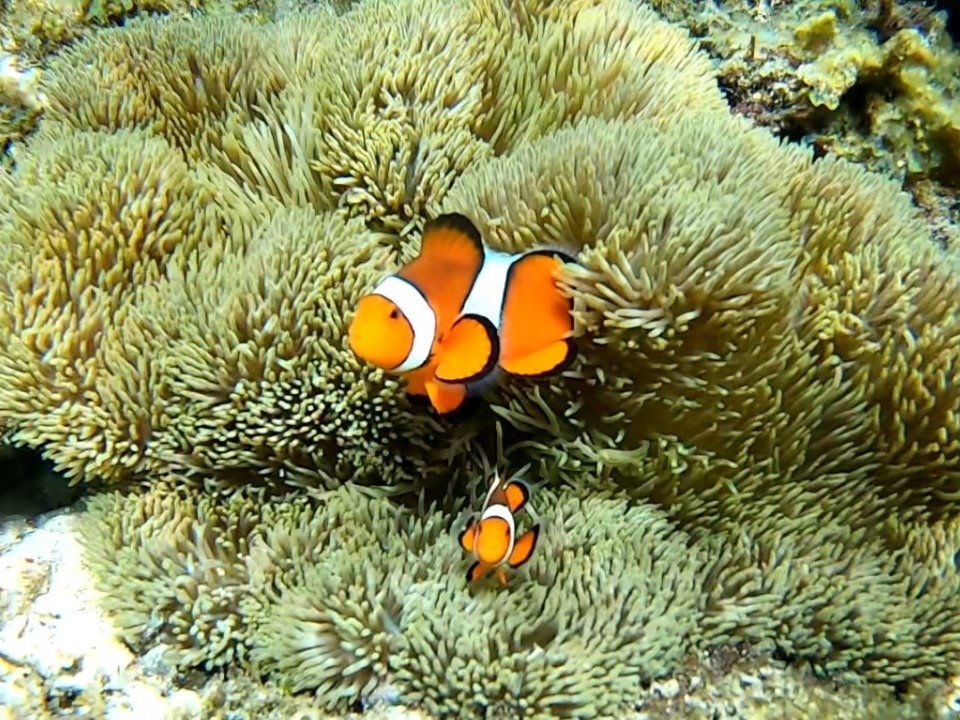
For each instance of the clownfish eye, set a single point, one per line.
(394, 314)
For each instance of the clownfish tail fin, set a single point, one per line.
(523, 548)
(546, 362)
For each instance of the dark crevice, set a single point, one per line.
(30, 486)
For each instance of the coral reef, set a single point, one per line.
(758, 448)
(875, 82)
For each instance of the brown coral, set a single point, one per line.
(875, 82)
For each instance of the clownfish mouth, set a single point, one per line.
(364, 346)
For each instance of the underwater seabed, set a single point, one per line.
(60, 655)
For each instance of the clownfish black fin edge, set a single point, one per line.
(458, 223)
(518, 505)
(564, 257)
(565, 363)
(473, 574)
(534, 534)
(461, 537)
(490, 362)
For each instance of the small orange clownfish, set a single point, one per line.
(459, 310)
(492, 538)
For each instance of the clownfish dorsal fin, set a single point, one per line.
(469, 351)
(452, 239)
(517, 494)
(537, 320)
(523, 548)
(450, 259)
(495, 493)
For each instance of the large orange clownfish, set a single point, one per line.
(492, 538)
(457, 312)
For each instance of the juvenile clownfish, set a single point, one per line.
(492, 538)
(460, 310)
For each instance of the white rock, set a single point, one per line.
(53, 636)
(669, 688)
(56, 643)
(19, 86)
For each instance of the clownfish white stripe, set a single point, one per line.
(422, 319)
(502, 512)
(494, 486)
(489, 290)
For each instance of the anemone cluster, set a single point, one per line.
(759, 444)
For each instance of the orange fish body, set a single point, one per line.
(460, 310)
(492, 538)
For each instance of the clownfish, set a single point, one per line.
(492, 539)
(460, 310)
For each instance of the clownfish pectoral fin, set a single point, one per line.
(469, 351)
(444, 397)
(517, 495)
(523, 548)
(467, 537)
(537, 318)
(475, 572)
